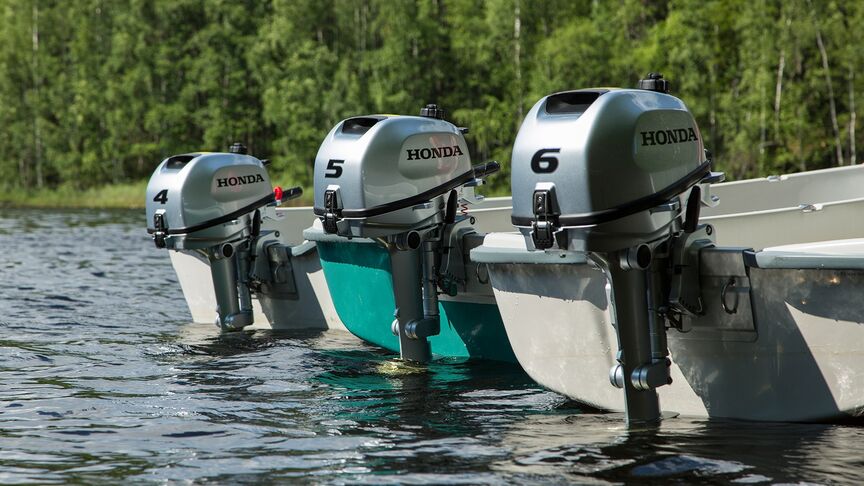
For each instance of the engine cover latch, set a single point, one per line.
(543, 227)
(332, 213)
(161, 228)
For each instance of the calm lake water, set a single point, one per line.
(104, 380)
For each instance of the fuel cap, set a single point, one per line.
(654, 82)
(432, 111)
(238, 148)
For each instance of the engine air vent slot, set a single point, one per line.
(571, 102)
(178, 161)
(360, 125)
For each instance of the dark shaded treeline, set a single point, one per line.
(99, 91)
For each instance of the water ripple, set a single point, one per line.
(105, 381)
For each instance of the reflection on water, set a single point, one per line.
(104, 380)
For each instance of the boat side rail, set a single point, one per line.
(775, 192)
(316, 233)
(510, 248)
(805, 206)
(834, 255)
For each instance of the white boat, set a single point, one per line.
(779, 334)
(797, 359)
(312, 308)
(237, 256)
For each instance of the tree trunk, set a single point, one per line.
(37, 104)
(763, 125)
(712, 104)
(831, 106)
(517, 51)
(853, 159)
(778, 93)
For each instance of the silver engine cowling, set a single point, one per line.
(592, 167)
(376, 175)
(610, 172)
(209, 204)
(197, 200)
(397, 180)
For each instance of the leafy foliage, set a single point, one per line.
(99, 91)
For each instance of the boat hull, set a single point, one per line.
(313, 309)
(358, 275)
(799, 361)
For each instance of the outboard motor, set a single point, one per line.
(608, 172)
(395, 179)
(211, 203)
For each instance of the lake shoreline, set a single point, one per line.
(125, 195)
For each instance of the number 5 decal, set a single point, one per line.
(542, 163)
(335, 166)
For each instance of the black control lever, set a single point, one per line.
(483, 170)
(694, 204)
(256, 223)
(450, 214)
(292, 193)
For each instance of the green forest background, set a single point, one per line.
(95, 93)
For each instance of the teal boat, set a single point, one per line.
(360, 280)
(394, 234)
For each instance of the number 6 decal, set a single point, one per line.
(544, 164)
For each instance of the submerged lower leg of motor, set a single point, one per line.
(643, 363)
(229, 269)
(653, 287)
(414, 265)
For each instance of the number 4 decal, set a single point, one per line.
(162, 197)
(336, 167)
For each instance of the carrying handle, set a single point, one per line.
(489, 168)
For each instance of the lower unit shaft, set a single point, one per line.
(634, 338)
(407, 274)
